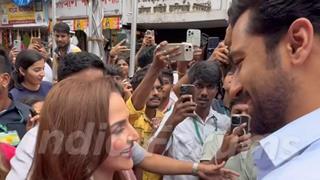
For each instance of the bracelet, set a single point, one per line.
(195, 168)
(215, 158)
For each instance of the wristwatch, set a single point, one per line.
(195, 168)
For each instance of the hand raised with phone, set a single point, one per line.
(183, 108)
(119, 48)
(221, 54)
(234, 142)
(162, 55)
(149, 38)
(38, 46)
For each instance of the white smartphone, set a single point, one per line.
(194, 37)
(17, 45)
(186, 50)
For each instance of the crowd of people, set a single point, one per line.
(249, 111)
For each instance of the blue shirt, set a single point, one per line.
(15, 118)
(19, 94)
(292, 152)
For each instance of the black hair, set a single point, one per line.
(24, 60)
(139, 75)
(123, 56)
(272, 19)
(76, 62)
(61, 27)
(205, 71)
(5, 64)
(31, 100)
(167, 73)
(113, 70)
(146, 56)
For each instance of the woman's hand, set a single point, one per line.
(211, 171)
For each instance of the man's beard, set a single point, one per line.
(63, 47)
(270, 103)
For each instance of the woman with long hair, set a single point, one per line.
(123, 64)
(28, 76)
(84, 133)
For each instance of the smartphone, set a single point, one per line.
(204, 39)
(121, 36)
(194, 37)
(149, 33)
(213, 42)
(17, 45)
(33, 112)
(187, 89)
(238, 119)
(186, 50)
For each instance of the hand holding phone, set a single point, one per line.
(186, 50)
(237, 120)
(183, 108)
(149, 38)
(17, 45)
(194, 37)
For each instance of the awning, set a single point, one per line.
(31, 25)
(22, 2)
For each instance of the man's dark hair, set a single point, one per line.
(112, 70)
(5, 65)
(76, 62)
(61, 27)
(146, 56)
(273, 18)
(139, 75)
(207, 72)
(167, 73)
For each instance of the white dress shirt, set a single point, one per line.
(186, 142)
(292, 152)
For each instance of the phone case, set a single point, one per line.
(17, 44)
(186, 50)
(194, 37)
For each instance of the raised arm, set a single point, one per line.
(161, 59)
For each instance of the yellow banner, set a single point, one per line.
(20, 15)
(80, 24)
(111, 23)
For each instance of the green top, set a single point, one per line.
(241, 163)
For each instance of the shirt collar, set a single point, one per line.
(212, 114)
(290, 140)
(68, 50)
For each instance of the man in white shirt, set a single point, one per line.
(187, 138)
(276, 48)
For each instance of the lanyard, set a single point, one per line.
(196, 127)
(3, 128)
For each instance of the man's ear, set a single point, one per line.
(5, 80)
(300, 40)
